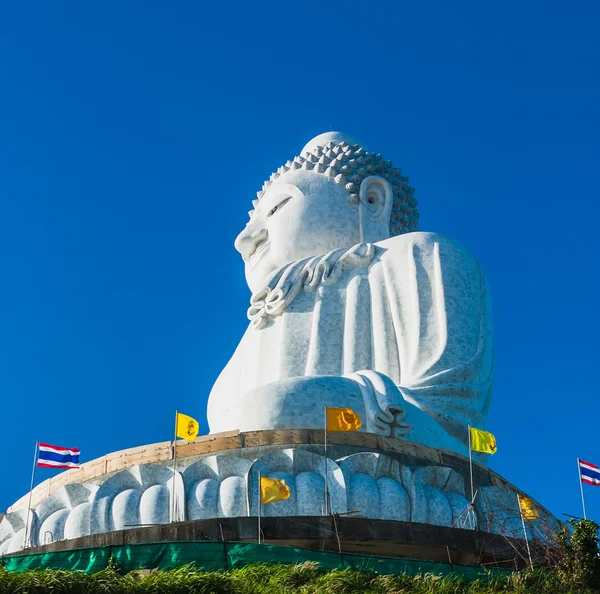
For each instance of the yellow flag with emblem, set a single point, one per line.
(272, 490)
(528, 510)
(342, 419)
(186, 427)
(482, 441)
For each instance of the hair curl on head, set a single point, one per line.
(350, 164)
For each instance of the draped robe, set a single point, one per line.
(415, 308)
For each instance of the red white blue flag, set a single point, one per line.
(590, 473)
(51, 456)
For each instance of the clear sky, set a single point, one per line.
(134, 135)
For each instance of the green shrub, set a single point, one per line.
(306, 578)
(579, 564)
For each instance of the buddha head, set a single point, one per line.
(334, 195)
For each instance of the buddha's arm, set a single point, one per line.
(442, 321)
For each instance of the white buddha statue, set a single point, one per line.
(353, 307)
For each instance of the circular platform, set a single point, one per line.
(405, 488)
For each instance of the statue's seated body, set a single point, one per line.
(353, 307)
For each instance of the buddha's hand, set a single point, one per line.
(384, 404)
(390, 422)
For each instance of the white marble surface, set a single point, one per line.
(352, 306)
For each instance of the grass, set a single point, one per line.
(306, 578)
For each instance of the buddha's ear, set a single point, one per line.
(375, 208)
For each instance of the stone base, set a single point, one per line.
(357, 535)
(216, 477)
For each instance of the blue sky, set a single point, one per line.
(134, 135)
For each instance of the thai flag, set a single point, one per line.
(51, 456)
(590, 473)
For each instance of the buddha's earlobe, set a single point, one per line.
(375, 208)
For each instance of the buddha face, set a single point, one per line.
(302, 214)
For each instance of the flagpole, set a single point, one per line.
(524, 531)
(326, 480)
(581, 487)
(174, 461)
(259, 502)
(471, 474)
(35, 455)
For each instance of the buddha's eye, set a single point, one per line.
(278, 206)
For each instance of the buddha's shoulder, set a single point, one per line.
(425, 244)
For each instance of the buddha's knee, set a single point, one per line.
(297, 402)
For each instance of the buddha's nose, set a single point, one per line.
(247, 242)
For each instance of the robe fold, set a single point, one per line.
(415, 307)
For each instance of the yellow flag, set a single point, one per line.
(342, 419)
(272, 490)
(528, 510)
(187, 427)
(482, 441)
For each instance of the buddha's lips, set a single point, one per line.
(262, 247)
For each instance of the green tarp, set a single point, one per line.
(211, 555)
